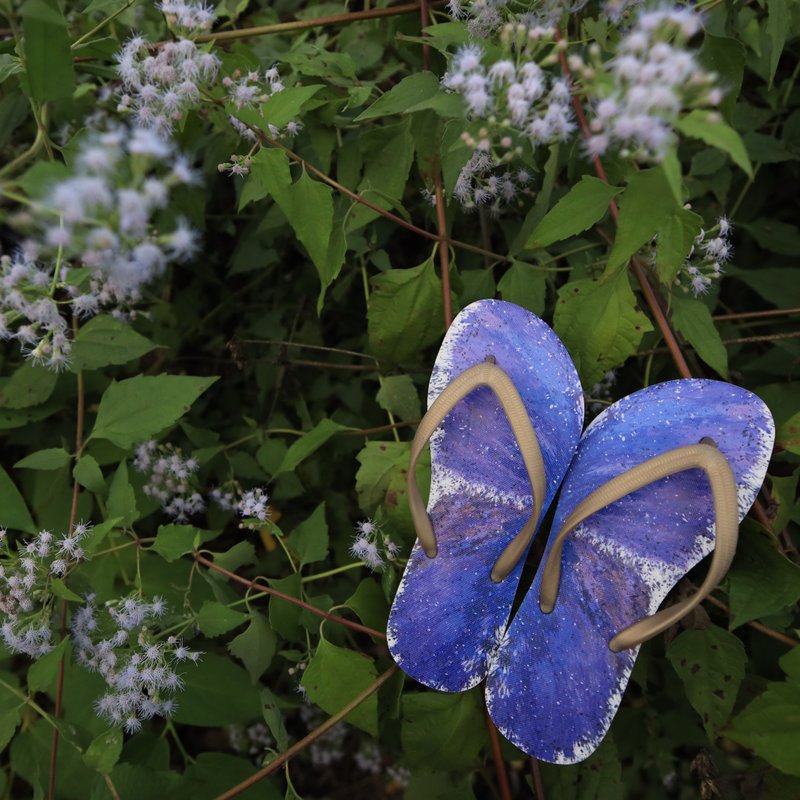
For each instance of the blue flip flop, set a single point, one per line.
(451, 611)
(556, 683)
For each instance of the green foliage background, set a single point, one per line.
(302, 337)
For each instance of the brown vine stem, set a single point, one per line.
(444, 248)
(303, 24)
(112, 790)
(63, 623)
(536, 773)
(670, 339)
(771, 632)
(772, 312)
(307, 740)
(502, 779)
(262, 587)
(426, 48)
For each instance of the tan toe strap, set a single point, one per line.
(726, 513)
(488, 374)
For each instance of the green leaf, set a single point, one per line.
(404, 314)
(759, 565)
(779, 21)
(599, 323)
(399, 396)
(710, 663)
(281, 108)
(212, 774)
(28, 386)
(121, 498)
(50, 458)
(769, 726)
(105, 340)
(88, 473)
(214, 618)
(9, 65)
(599, 777)
(783, 493)
(128, 414)
(104, 750)
(726, 57)
(10, 708)
(309, 540)
(411, 90)
(237, 556)
(307, 204)
(647, 204)
(445, 731)
(98, 534)
(369, 604)
(218, 692)
(335, 676)
(693, 319)
(524, 285)
(709, 128)
(173, 541)
(48, 58)
(309, 443)
(584, 205)
(381, 481)
(674, 242)
(788, 436)
(60, 589)
(255, 646)
(284, 616)
(388, 152)
(13, 511)
(42, 673)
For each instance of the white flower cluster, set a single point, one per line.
(372, 546)
(187, 17)
(170, 479)
(119, 643)
(653, 78)
(25, 594)
(249, 90)
(161, 88)
(484, 17)
(101, 219)
(704, 264)
(253, 505)
(29, 315)
(252, 740)
(519, 102)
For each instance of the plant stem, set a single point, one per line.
(320, 575)
(499, 765)
(287, 597)
(100, 25)
(310, 739)
(72, 519)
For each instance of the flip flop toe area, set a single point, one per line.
(448, 614)
(558, 687)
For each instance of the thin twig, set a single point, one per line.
(771, 632)
(499, 765)
(262, 587)
(426, 48)
(444, 249)
(112, 790)
(303, 24)
(63, 623)
(772, 312)
(298, 747)
(536, 773)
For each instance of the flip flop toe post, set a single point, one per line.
(450, 611)
(555, 685)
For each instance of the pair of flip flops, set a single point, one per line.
(657, 482)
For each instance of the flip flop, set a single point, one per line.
(556, 682)
(502, 433)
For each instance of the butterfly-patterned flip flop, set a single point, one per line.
(508, 395)
(557, 678)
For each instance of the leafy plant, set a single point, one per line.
(232, 239)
